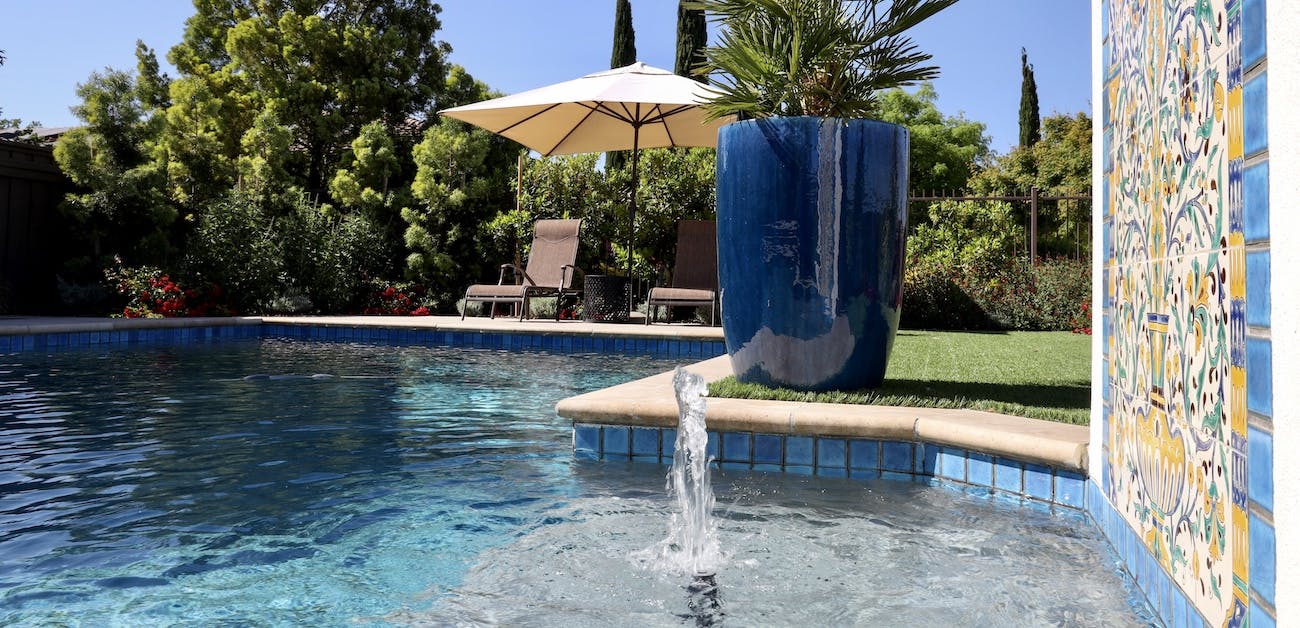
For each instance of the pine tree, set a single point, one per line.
(624, 54)
(692, 35)
(1029, 120)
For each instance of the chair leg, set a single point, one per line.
(523, 309)
(649, 313)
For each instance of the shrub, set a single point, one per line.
(238, 244)
(332, 258)
(1010, 294)
(151, 293)
(397, 299)
(286, 256)
(933, 299)
(1064, 294)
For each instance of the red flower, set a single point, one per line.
(389, 292)
(420, 311)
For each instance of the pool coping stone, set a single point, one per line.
(650, 402)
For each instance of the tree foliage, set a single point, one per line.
(692, 38)
(1060, 164)
(624, 51)
(945, 150)
(120, 205)
(365, 179)
(296, 116)
(461, 183)
(1029, 117)
(331, 65)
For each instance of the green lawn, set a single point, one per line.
(1043, 375)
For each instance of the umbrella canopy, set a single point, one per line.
(636, 106)
(627, 108)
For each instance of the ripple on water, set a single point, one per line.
(430, 486)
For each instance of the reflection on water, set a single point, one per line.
(376, 485)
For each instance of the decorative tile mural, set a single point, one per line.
(1175, 282)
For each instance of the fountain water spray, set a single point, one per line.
(692, 544)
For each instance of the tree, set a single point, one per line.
(946, 150)
(1029, 119)
(692, 37)
(121, 207)
(1060, 164)
(676, 184)
(624, 53)
(460, 184)
(364, 180)
(334, 65)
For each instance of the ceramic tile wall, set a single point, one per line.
(1187, 447)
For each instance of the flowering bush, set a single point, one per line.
(1081, 322)
(397, 299)
(151, 293)
(1053, 295)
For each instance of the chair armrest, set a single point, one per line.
(515, 272)
(571, 274)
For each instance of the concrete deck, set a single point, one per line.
(650, 401)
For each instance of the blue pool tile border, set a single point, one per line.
(1163, 597)
(858, 458)
(687, 348)
(52, 341)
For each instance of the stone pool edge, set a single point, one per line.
(649, 402)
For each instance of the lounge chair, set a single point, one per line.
(549, 271)
(695, 273)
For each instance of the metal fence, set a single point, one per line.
(1032, 202)
(31, 188)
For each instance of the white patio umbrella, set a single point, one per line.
(628, 108)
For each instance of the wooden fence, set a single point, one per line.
(31, 187)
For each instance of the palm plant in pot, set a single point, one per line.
(812, 194)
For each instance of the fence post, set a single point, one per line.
(1033, 225)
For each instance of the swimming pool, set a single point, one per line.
(286, 482)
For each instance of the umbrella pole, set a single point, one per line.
(631, 212)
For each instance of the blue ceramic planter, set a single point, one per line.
(812, 221)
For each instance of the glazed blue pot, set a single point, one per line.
(812, 226)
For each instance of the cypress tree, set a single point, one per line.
(624, 54)
(1029, 120)
(624, 36)
(692, 35)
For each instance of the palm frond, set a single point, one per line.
(812, 57)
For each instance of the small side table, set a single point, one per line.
(605, 298)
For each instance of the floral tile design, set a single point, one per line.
(1175, 282)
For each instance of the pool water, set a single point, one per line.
(273, 482)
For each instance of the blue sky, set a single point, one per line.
(514, 45)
